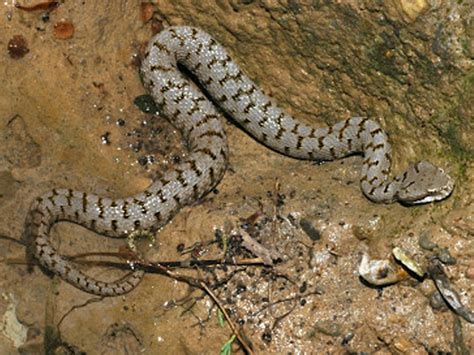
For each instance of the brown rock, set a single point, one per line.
(63, 29)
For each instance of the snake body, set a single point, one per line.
(198, 120)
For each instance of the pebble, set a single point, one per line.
(17, 47)
(362, 233)
(403, 345)
(147, 10)
(303, 287)
(427, 288)
(63, 29)
(309, 229)
(437, 301)
(105, 138)
(347, 338)
(470, 273)
(267, 337)
(445, 257)
(426, 243)
(328, 327)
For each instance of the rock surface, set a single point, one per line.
(67, 119)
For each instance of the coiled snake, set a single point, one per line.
(199, 122)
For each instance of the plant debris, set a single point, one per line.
(17, 47)
(257, 249)
(46, 5)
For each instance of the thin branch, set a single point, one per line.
(6, 237)
(244, 344)
(78, 306)
(149, 266)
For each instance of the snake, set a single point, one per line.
(194, 100)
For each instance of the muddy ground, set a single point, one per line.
(68, 119)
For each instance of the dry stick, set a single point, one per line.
(275, 228)
(266, 254)
(148, 266)
(226, 315)
(6, 237)
(275, 231)
(78, 306)
(200, 284)
(159, 265)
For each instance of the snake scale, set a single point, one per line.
(196, 117)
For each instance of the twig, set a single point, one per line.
(77, 306)
(12, 239)
(160, 265)
(151, 267)
(271, 304)
(266, 254)
(244, 344)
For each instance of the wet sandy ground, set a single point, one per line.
(67, 120)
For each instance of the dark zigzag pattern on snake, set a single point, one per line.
(199, 122)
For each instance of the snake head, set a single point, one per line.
(423, 183)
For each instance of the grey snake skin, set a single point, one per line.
(198, 120)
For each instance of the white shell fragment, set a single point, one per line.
(380, 272)
(401, 256)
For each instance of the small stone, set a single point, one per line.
(267, 337)
(147, 10)
(156, 25)
(146, 104)
(303, 287)
(425, 242)
(403, 345)
(143, 160)
(137, 146)
(219, 237)
(426, 288)
(280, 199)
(328, 327)
(414, 8)
(470, 273)
(240, 288)
(437, 301)
(176, 159)
(309, 229)
(362, 233)
(445, 257)
(347, 338)
(17, 47)
(105, 138)
(63, 29)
